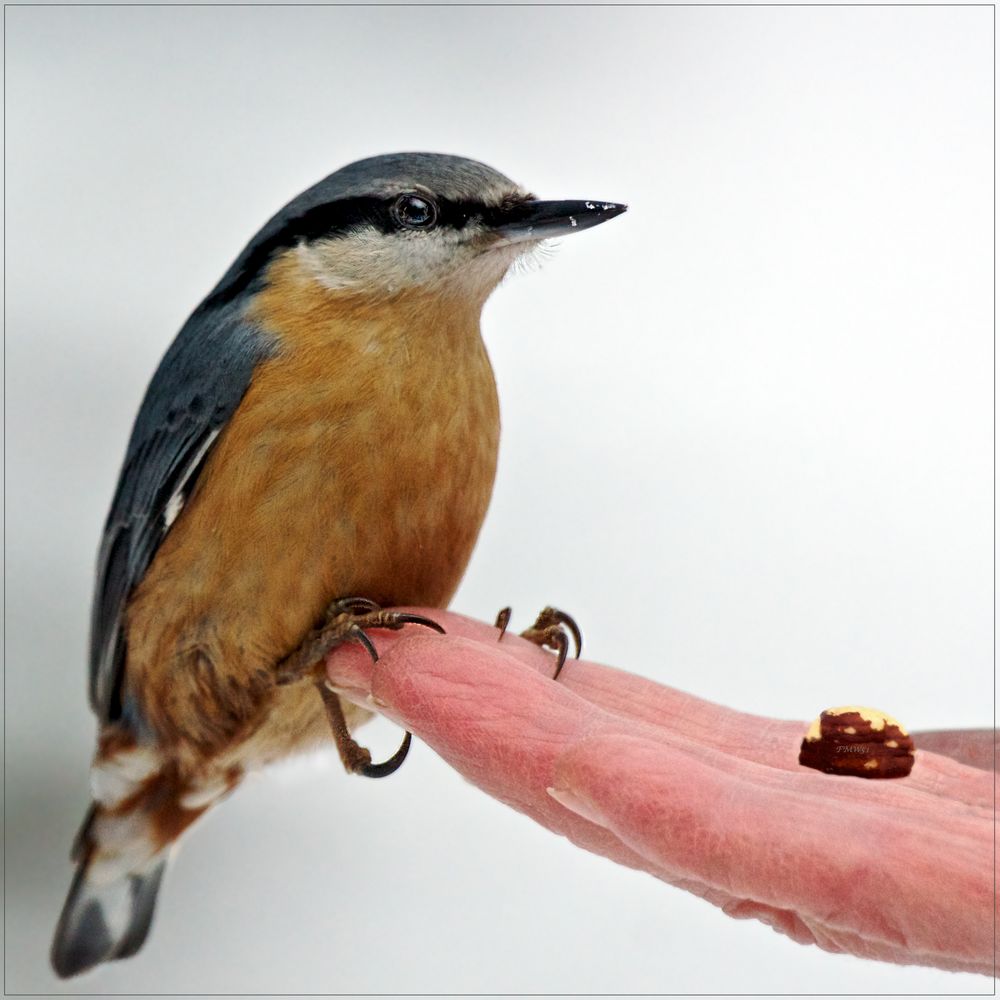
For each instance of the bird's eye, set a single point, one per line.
(413, 212)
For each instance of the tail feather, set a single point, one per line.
(100, 923)
(109, 909)
(140, 808)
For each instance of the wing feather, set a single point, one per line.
(195, 391)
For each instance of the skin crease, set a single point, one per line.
(705, 798)
(358, 389)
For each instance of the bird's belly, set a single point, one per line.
(315, 491)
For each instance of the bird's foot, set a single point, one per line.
(356, 758)
(346, 620)
(552, 629)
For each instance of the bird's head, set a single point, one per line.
(405, 221)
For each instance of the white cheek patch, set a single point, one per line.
(334, 263)
(368, 260)
(426, 257)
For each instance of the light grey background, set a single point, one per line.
(747, 435)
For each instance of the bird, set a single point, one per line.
(317, 446)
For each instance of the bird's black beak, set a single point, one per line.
(541, 220)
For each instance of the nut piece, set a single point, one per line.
(861, 742)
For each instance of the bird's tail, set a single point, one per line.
(121, 851)
(110, 905)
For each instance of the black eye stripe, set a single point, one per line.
(332, 220)
(342, 217)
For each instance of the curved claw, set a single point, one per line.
(552, 629)
(392, 764)
(567, 620)
(406, 618)
(399, 619)
(362, 636)
(561, 644)
(503, 620)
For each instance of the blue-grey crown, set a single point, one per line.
(453, 178)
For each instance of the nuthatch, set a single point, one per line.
(318, 443)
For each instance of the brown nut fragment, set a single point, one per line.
(856, 741)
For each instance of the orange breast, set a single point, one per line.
(360, 462)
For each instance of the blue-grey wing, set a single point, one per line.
(196, 389)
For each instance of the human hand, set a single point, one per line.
(703, 797)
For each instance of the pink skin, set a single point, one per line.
(704, 797)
